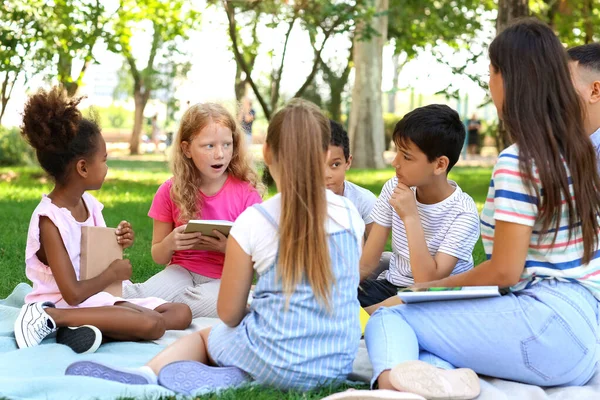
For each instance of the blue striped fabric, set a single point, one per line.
(305, 345)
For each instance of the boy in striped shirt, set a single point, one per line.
(434, 224)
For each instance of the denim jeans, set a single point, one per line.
(546, 335)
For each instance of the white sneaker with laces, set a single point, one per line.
(33, 324)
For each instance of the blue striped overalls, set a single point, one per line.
(306, 345)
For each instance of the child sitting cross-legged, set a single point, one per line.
(434, 224)
(70, 148)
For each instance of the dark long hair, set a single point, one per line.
(544, 116)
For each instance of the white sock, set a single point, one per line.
(147, 373)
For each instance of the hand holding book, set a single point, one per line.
(182, 240)
(125, 234)
(213, 234)
(121, 269)
(214, 244)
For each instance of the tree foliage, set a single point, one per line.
(72, 29)
(167, 24)
(20, 34)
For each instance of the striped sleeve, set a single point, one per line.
(462, 236)
(382, 211)
(512, 201)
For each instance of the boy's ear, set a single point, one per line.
(349, 162)
(595, 95)
(185, 148)
(81, 168)
(441, 165)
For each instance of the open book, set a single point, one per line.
(99, 248)
(206, 228)
(416, 295)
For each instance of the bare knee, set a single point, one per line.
(176, 315)
(182, 316)
(152, 326)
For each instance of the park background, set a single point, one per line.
(365, 63)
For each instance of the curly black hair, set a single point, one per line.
(339, 137)
(57, 131)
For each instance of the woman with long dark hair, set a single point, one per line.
(540, 232)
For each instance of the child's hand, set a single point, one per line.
(125, 234)
(403, 201)
(183, 241)
(218, 244)
(121, 269)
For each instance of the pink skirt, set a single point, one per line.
(104, 299)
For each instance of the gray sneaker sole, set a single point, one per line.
(97, 370)
(187, 377)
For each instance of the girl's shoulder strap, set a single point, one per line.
(266, 214)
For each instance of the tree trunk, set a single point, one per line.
(588, 24)
(240, 84)
(335, 104)
(395, 81)
(366, 128)
(140, 104)
(508, 11)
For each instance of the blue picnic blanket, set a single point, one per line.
(38, 372)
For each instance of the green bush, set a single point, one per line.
(389, 123)
(113, 116)
(13, 148)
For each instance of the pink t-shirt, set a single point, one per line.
(227, 204)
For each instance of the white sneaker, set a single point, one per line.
(33, 324)
(435, 383)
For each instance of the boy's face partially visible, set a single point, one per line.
(412, 166)
(335, 169)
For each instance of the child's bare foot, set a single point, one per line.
(435, 383)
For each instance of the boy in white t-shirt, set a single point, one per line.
(339, 161)
(434, 224)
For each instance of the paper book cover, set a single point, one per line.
(99, 248)
(206, 227)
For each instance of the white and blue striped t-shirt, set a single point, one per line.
(450, 226)
(509, 200)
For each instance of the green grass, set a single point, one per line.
(127, 194)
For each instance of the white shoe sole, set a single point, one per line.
(373, 395)
(21, 342)
(435, 383)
